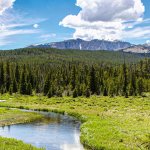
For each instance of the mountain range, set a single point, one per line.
(96, 44)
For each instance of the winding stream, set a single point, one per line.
(54, 132)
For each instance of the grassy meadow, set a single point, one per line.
(115, 123)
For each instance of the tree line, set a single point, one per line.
(75, 79)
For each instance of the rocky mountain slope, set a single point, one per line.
(141, 49)
(80, 44)
(86, 45)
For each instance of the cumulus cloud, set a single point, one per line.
(148, 42)
(35, 26)
(104, 19)
(5, 4)
(108, 10)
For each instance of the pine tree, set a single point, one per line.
(47, 85)
(17, 74)
(111, 89)
(140, 86)
(79, 91)
(31, 78)
(125, 82)
(1, 75)
(8, 78)
(11, 90)
(23, 84)
(29, 89)
(14, 86)
(133, 86)
(73, 78)
(93, 80)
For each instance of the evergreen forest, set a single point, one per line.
(53, 72)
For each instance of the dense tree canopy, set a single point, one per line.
(56, 77)
(75, 78)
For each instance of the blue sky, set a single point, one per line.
(25, 22)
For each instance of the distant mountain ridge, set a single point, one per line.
(86, 45)
(79, 44)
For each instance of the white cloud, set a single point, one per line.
(47, 37)
(148, 42)
(12, 23)
(136, 33)
(5, 4)
(7, 33)
(35, 26)
(104, 19)
(108, 10)
(4, 42)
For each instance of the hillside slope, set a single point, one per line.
(43, 55)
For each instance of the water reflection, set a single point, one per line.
(55, 132)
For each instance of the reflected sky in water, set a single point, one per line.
(55, 132)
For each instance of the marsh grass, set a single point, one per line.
(9, 116)
(116, 123)
(12, 144)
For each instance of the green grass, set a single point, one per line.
(9, 117)
(12, 144)
(108, 123)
